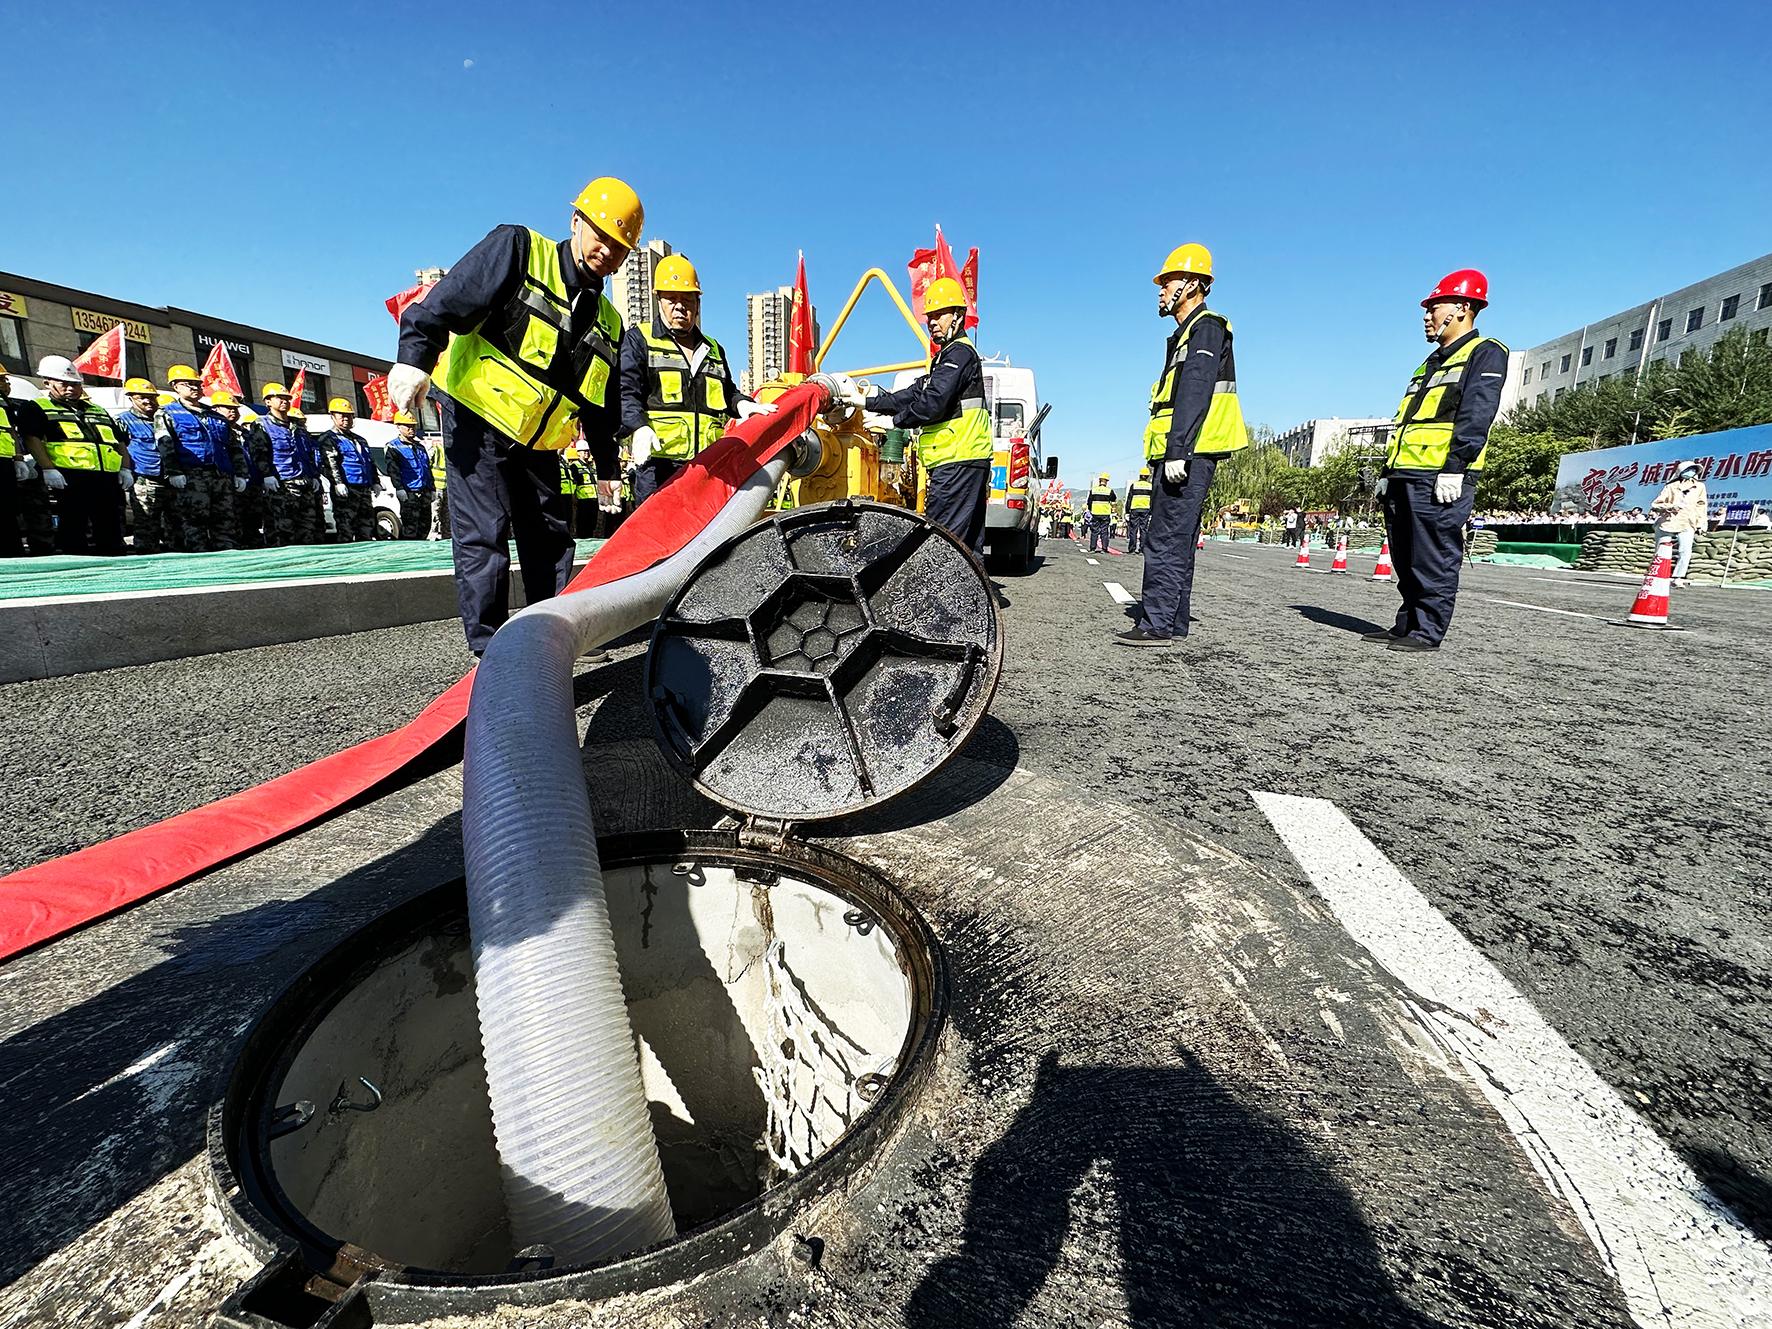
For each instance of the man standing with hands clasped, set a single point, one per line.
(1429, 485)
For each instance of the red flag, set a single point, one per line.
(299, 386)
(411, 295)
(802, 344)
(380, 407)
(922, 271)
(969, 282)
(218, 372)
(104, 358)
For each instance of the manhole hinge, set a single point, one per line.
(769, 834)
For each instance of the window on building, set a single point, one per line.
(1695, 319)
(1730, 305)
(314, 394)
(1759, 335)
(1559, 396)
(1544, 370)
(12, 345)
(1587, 356)
(1765, 297)
(1664, 329)
(1611, 347)
(1564, 367)
(1539, 399)
(1527, 378)
(1636, 340)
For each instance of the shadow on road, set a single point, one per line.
(1329, 618)
(1747, 1194)
(1224, 1218)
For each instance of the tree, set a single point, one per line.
(1520, 470)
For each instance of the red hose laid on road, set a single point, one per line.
(48, 900)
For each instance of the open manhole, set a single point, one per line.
(784, 997)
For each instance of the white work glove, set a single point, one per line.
(176, 481)
(746, 409)
(272, 484)
(1448, 488)
(54, 478)
(24, 466)
(126, 478)
(609, 495)
(239, 484)
(407, 385)
(1175, 472)
(340, 490)
(642, 444)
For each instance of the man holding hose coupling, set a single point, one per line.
(524, 348)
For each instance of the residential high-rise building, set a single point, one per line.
(768, 317)
(630, 289)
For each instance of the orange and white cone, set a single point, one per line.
(1304, 554)
(1650, 610)
(1383, 571)
(1202, 543)
(1340, 563)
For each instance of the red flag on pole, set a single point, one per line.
(218, 372)
(922, 271)
(969, 283)
(296, 388)
(802, 342)
(104, 358)
(380, 407)
(411, 295)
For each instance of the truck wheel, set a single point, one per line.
(387, 525)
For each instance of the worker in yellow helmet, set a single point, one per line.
(677, 392)
(947, 407)
(1138, 510)
(523, 345)
(1195, 420)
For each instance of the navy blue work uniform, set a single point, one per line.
(656, 472)
(498, 490)
(956, 493)
(1427, 537)
(1174, 532)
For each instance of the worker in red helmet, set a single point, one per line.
(1435, 456)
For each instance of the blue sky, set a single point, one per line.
(1337, 160)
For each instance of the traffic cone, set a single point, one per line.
(1383, 571)
(1650, 610)
(1202, 543)
(1304, 554)
(1340, 563)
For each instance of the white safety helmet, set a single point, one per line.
(58, 369)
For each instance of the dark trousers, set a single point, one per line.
(1169, 548)
(1427, 544)
(652, 475)
(89, 514)
(955, 499)
(498, 492)
(1137, 523)
(12, 540)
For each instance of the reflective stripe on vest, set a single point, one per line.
(687, 410)
(966, 435)
(144, 451)
(8, 434)
(82, 436)
(1101, 502)
(1223, 429)
(1138, 498)
(520, 371)
(1423, 439)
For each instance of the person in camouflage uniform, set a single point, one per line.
(154, 501)
(351, 468)
(258, 527)
(408, 467)
(206, 452)
(281, 436)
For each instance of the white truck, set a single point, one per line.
(1017, 459)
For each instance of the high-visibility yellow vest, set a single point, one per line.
(687, 410)
(8, 434)
(966, 436)
(1223, 430)
(82, 436)
(520, 372)
(587, 485)
(1138, 498)
(439, 466)
(1423, 437)
(1101, 502)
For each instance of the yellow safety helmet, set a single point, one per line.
(613, 207)
(135, 385)
(274, 390)
(676, 273)
(943, 293)
(165, 398)
(404, 418)
(1102, 479)
(222, 397)
(183, 374)
(1144, 472)
(339, 406)
(296, 413)
(1195, 259)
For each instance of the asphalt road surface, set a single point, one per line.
(1280, 963)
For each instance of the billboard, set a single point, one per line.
(1735, 465)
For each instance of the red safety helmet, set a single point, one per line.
(1465, 284)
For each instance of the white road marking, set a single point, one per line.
(1244, 557)
(1680, 1257)
(1093, 562)
(1583, 572)
(1543, 609)
(1120, 593)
